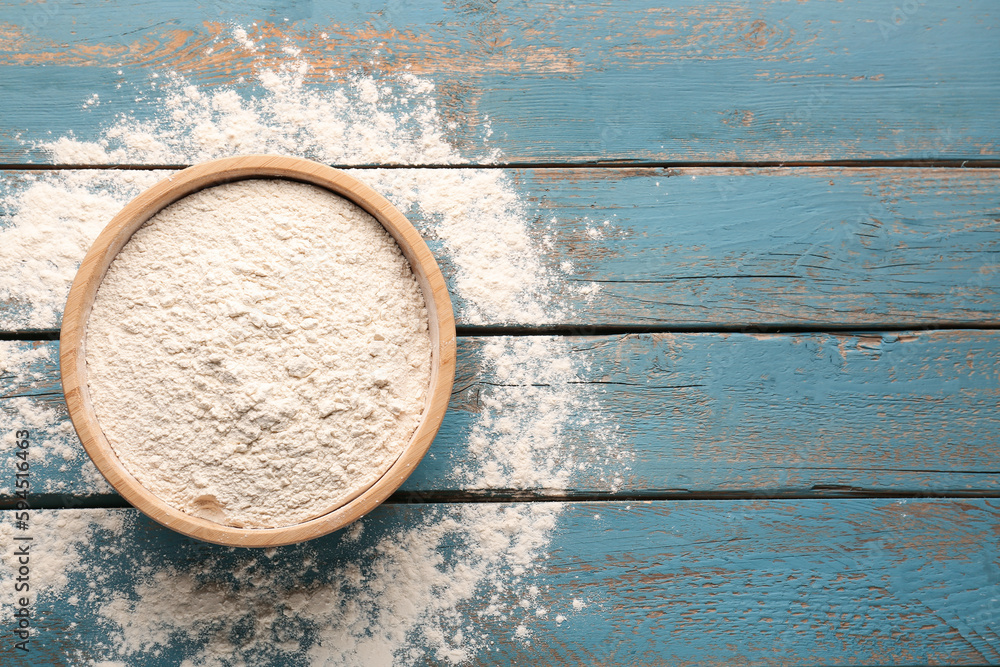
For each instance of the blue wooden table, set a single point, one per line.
(774, 231)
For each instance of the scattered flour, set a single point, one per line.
(537, 372)
(403, 599)
(499, 272)
(48, 221)
(29, 376)
(59, 540)
(284, 340)
(436, 588)
(500, 276)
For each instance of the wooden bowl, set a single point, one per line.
(73, 358)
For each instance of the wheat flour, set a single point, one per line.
(410, 597)
(29, 375)
(48, 221)
(283, 340)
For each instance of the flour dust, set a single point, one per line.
(412, 589)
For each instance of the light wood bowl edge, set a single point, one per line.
(73, 358)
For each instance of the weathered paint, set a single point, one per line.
(678, 583)
(909, 412)
(644, 80)
(744, 247)
(777, 246)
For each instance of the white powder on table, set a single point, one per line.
(48, 220)
(408, 598)
(28, 379)
(258, 352)
(59, 540)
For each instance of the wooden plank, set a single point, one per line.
(646, 80)
(777, 246)
(698, 247)
(684, 414)
(722, 582)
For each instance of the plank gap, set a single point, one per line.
(493, 496)
(30, 335)
(750, 328)
(477, 331)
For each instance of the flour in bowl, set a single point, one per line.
(259, 352)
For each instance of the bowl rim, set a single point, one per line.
(73, 358)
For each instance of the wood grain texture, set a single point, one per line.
(676, 582)
(745, 247)
(644, 80)
(684, 414)
(874, 582)
(777, 246)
